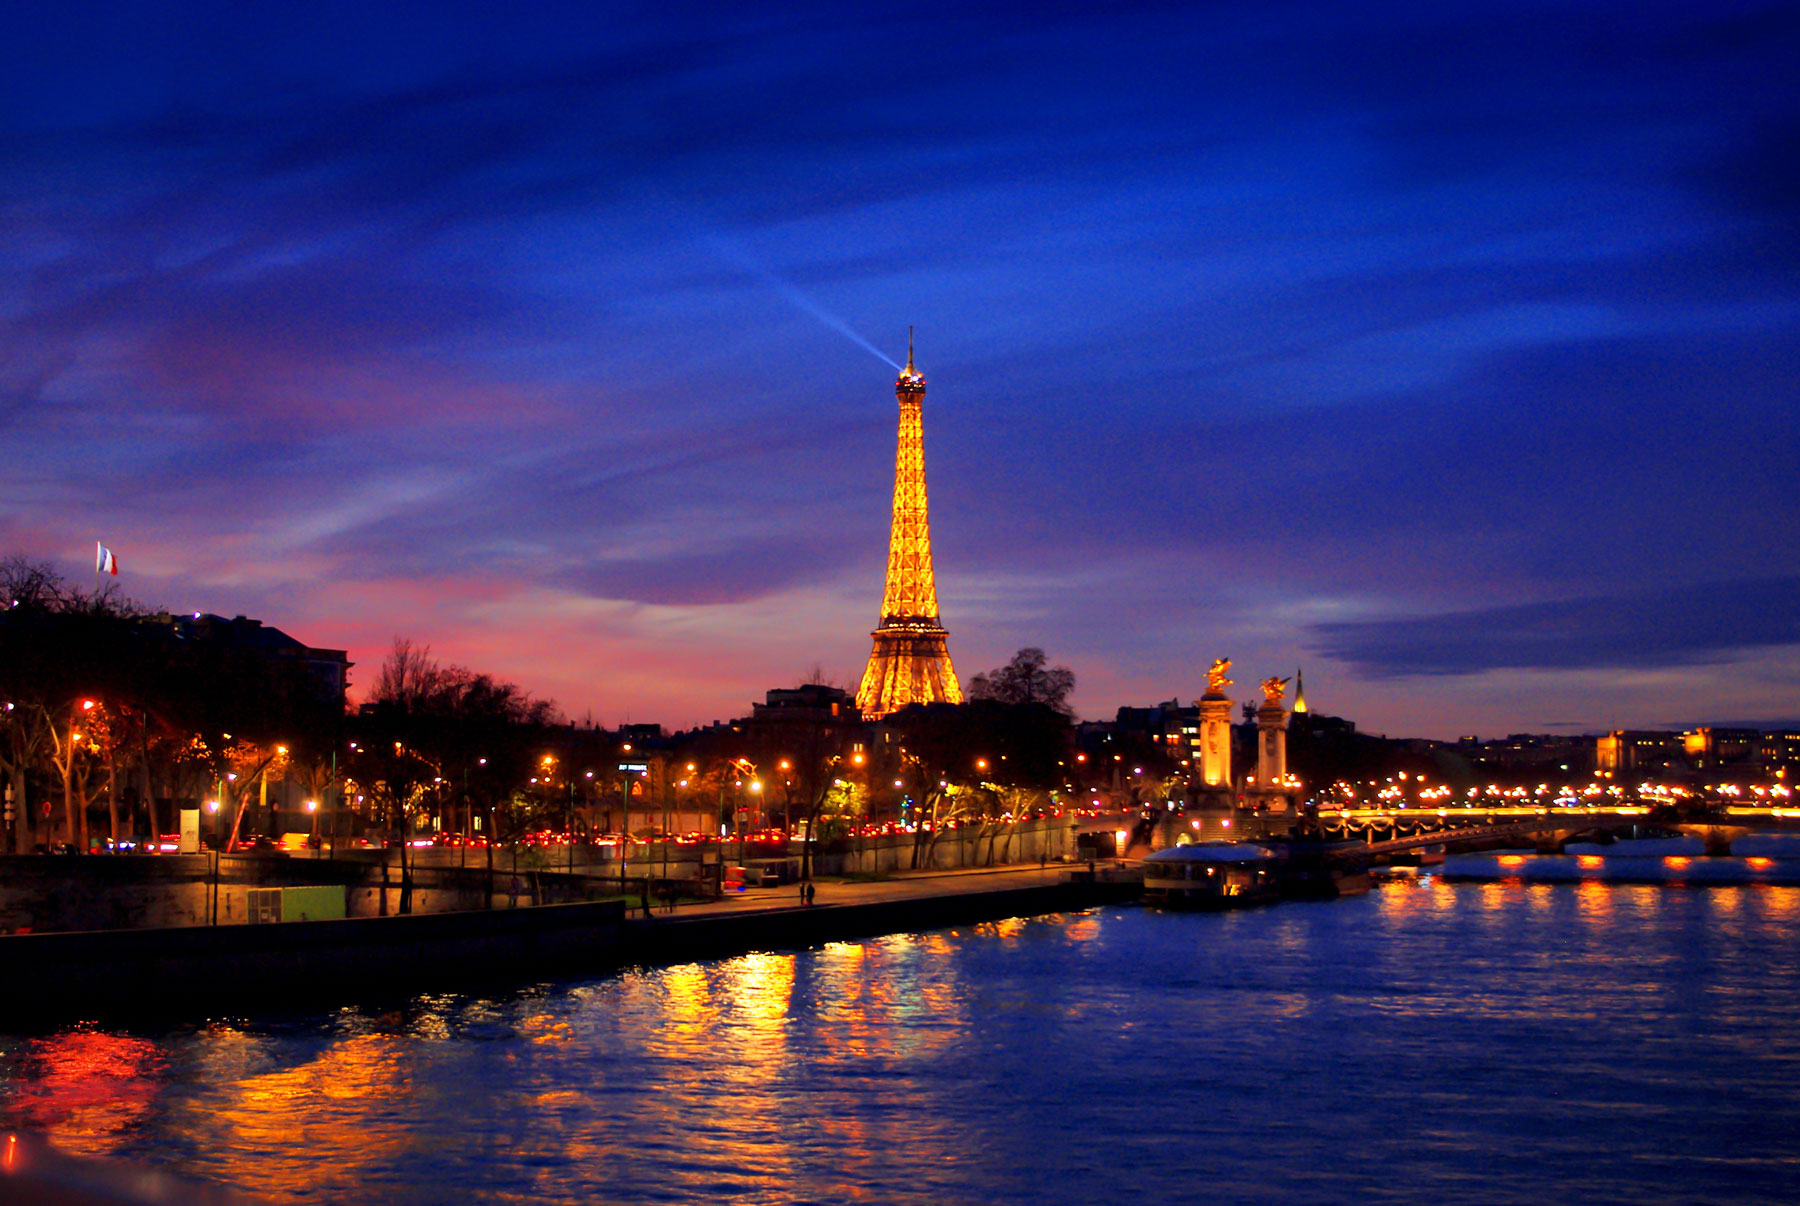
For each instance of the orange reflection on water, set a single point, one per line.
(1402, 897)
(1007, 929)
(1759, 863)
(331, 1105)
(1594, 898)
(876, 993)
(86, 1087)
(687, 1011)
(1779, 903)
(1438, 896)
(1496, 894)
(1590, 862)
(756, 991)
(546, 1028)
(1083, 929)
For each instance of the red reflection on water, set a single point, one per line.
(85, 1085)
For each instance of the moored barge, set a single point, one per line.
(1211, 876)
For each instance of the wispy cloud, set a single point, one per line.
(1444, 311)
(1712, 622)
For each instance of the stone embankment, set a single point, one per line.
(193, 972)
(41, 894)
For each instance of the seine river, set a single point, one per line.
(1433, 1041)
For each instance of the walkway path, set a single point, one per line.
(901, 885)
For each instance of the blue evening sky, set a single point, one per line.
(1447, 350)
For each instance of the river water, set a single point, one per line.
(1508, 1041)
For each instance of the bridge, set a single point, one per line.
(1365, 833)
(1546, 829)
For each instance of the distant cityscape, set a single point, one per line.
(301, 758)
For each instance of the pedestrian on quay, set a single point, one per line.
(810, 891)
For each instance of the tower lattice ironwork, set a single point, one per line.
(911, 659)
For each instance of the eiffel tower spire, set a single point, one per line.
(911, 660)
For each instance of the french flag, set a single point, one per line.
(104, 561)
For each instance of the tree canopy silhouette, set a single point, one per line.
(1024, 680)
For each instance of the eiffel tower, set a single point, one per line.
(911, 661)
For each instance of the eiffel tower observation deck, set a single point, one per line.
(911, 659)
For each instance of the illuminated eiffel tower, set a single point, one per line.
(911, 661)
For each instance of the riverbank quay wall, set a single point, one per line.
(197, 971)
(192, 972)
(53, 893)
(661, 940)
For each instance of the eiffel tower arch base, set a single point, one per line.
(907, 666)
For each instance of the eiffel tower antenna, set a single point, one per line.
(910, 662)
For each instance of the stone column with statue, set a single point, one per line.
(1215, 787)
(1271, 791)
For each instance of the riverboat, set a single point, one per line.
(1211, 876)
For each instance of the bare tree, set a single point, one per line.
(410, 678)
(1026, 679)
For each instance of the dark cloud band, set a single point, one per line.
(1710, 622)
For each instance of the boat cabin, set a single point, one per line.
(1210, 875)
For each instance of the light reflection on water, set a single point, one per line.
(1502, 1042)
